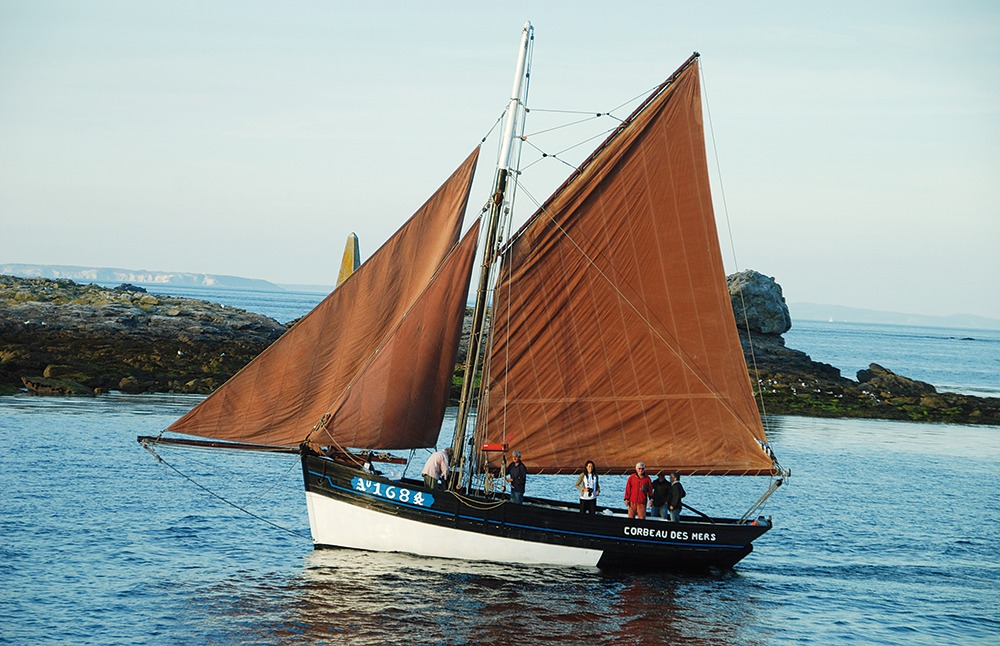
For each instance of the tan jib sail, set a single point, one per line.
(279, 397)
(614, 338)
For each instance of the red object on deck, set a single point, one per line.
(494, 446)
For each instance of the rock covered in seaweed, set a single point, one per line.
(60, 337)
(882, 380)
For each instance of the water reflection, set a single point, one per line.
(345, 596)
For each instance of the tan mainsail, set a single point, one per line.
(351, 260)
(613, 334)
(281, 395)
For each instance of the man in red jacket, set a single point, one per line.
(638, 488)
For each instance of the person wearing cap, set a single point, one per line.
(638, 488)
(517, 475)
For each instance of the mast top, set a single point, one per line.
(516, 96)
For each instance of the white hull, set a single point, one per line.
(335, 523)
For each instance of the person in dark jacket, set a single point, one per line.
(661, 489)
(517, 476)
(674, 498)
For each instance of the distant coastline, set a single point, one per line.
(843, 314)
(141, 277)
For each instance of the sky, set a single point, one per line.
(854, 146)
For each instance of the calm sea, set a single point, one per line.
(887, 533)
(952, 359)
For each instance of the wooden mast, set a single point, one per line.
(498, 203)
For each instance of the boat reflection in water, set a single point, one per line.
(369, 597)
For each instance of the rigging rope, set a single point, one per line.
(494, 127)
(212, 493)
(277, 481)
(475, 504)
(637, 97)
(567, 125)
(592, 116)
(736, 263)
(545, 155)
(775, 483)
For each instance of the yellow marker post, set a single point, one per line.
(352, 258)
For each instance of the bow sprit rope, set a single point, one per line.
(246, 511)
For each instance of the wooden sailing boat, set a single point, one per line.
(612, 339)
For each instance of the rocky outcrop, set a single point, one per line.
(59, 337)
(758, 303)
(789, 382)
(887, 383)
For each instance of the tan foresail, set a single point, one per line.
(614, 338)
(398, 399)
(279, 397)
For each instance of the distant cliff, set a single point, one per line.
(115, 276)
(59, 337)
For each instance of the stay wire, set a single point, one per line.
(758, 506)
(545, 155)
(732, 246)
(608, 113)
(494, 127)
(218, 496)
(277, 481)
(526, 138)
(570, 124)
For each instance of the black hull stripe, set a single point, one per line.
(533, 528)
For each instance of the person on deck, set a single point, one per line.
(435, 470)
(674, 498)
(637, 491)
(517, 476)
(661, 489)
(590, 488)
(369, 464)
